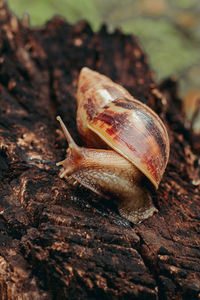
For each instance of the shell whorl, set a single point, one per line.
(94, 92)
(107, 112)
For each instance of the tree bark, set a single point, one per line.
(60, 242)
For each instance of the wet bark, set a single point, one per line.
(60, 242)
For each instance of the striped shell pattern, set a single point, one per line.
(108, 116)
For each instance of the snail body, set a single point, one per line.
(128, 146)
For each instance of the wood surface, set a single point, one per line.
(63, 242)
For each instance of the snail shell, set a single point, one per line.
(127, 143)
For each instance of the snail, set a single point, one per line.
(127, 146)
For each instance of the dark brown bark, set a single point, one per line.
(58, 242)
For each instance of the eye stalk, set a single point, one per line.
(74, 148)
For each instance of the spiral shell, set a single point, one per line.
(108, 115)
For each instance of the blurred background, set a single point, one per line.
(168, 31)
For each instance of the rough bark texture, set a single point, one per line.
(58, 242)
